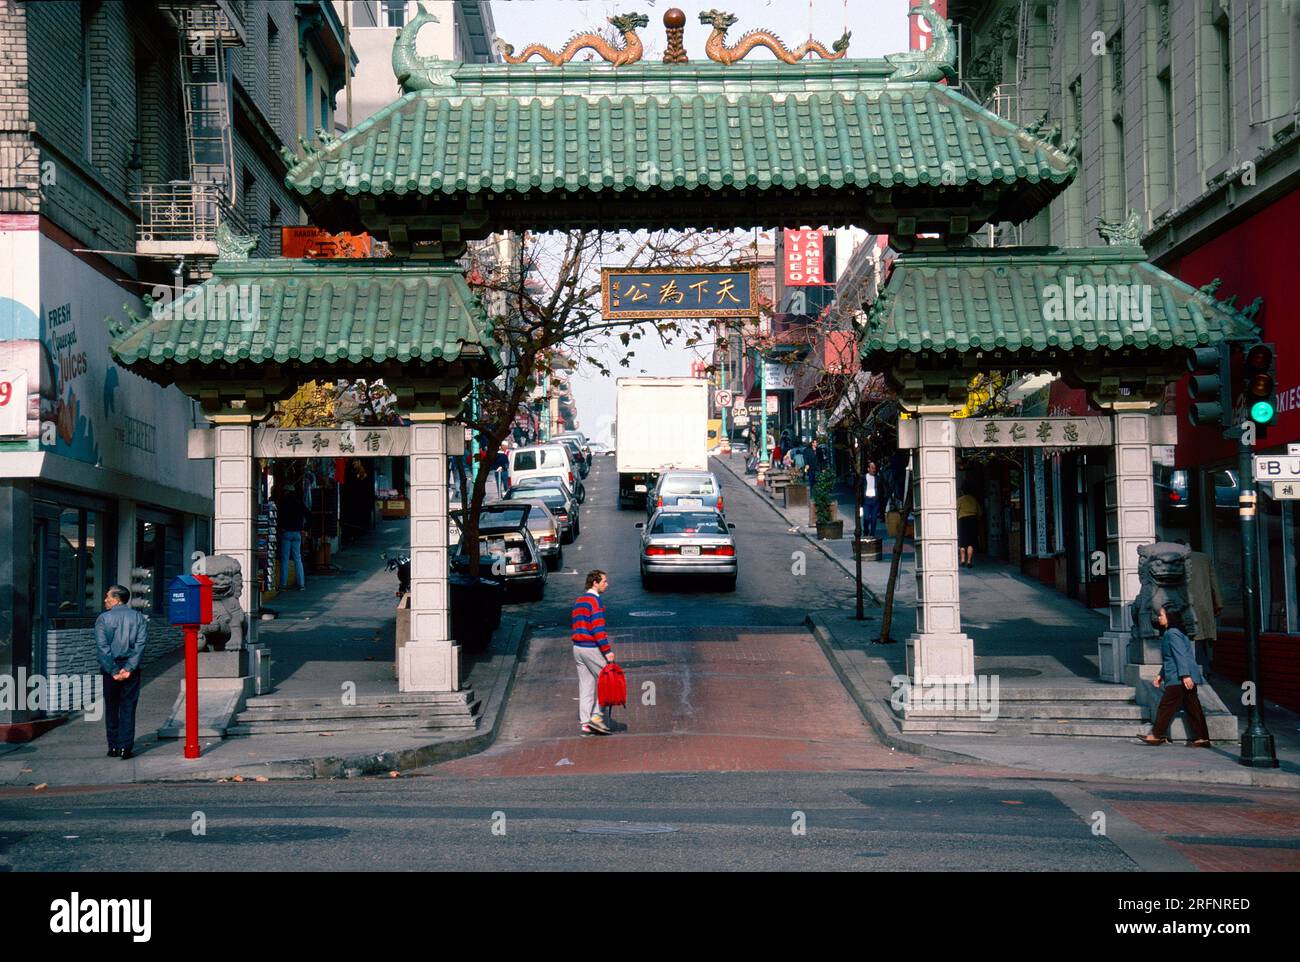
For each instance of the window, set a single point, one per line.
(1170, 156)
(273, 55)
(395, 13)
(81, 550)
(325, 111)
(87, 107)
(1223, 40)
(310, 88)
(149, 574)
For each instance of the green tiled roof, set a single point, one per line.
(336, 312)
(506, 128)
(1016, 300)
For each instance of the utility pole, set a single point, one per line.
(1257, 748)
(763, 463)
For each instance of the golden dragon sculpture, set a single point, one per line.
(718, 51)
(630, 52)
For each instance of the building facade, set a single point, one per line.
(129, 134)
(1184, 114)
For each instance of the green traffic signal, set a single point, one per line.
(1262, 412)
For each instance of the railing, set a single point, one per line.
(182, 217)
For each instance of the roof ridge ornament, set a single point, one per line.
(938, 61)
(1122, 234)
(630, 52)
(719, 52)
(414, 71)
(232, 246)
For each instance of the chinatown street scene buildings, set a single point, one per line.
(873, 395)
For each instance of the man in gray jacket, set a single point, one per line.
(119, 639)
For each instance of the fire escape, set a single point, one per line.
(179, 220)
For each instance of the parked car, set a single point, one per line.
(544, 526)
(601, 449)
(687, 543)
(687, 489)
(559, 500)
(575, 452)
(543, 460)
(474, 604)
(507, 545)
(583, 444)
(1172, 491)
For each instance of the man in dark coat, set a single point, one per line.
(119, 643)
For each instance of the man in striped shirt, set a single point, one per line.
(591, 651)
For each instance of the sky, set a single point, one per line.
(878, 26)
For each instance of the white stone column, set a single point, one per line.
(1130, 522)
(938, 649)
(430, 661)
(234, 511)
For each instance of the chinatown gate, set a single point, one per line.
(473, 149)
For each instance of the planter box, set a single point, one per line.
(868, 549)
(894, 521)
(395, 508)
(796, 495)
(831, 531)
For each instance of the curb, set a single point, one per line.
(887, 730)
(816, 543)
(381, 763)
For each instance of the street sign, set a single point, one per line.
(738, 402)
(1277, 467)
(722, 399)
(1286, 491)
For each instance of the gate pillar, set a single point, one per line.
(939, 648)
(430, 661)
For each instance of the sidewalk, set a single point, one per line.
(340, 629)
(1022, 630)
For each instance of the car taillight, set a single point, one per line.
(656, 550)
(546, 537)
(719, 502)
(1175, 496)
(726, 551)
(659, 503)
(570, 479)
(529, 567)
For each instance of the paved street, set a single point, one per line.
(750, 756)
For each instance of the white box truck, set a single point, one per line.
(663, 423)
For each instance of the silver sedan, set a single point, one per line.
(687, 542)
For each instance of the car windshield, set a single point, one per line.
(547, 495)
(689, 522)
(689, 486)
(505, 516)
(526, 461)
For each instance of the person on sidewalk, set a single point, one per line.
(292, 517)
(119, 642)
(1182, 674)
(501, 468)
(816, 459)
(871, 500)
(968, 525)
(591, 651)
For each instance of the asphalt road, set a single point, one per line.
(752, 758)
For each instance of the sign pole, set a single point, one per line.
(763, 463)
(192, 691)
(1257, 748)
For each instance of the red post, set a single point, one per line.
(191, 691)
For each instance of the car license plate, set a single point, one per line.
(690, 502)
(691, 551)
(639, 488)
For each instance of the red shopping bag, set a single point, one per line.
(611, 686)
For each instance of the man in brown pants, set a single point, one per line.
(1180, 674)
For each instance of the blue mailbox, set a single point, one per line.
(189, 600)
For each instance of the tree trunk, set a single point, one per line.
(887, 620)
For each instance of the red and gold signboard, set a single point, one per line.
(312, 242)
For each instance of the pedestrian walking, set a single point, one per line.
(591, 651)
(873, 488)
(1179, 676)
(968, 525)
(500, 468)
(119, 642)
(292, 520)
(816, 460)
(1207, 603)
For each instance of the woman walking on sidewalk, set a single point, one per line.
(1182, 674)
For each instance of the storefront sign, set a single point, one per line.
(778, 377)
(804, 258)
(687, 292)
(356, 442)
(1032, 432)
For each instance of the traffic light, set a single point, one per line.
(1211, 385)
(1260, 389)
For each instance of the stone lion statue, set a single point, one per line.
(1162, 573)
(229, 623)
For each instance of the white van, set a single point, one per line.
(542, 460)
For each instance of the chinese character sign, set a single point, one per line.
(330, 442)
(696, 292)
(1032, 432)
(804, 253)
